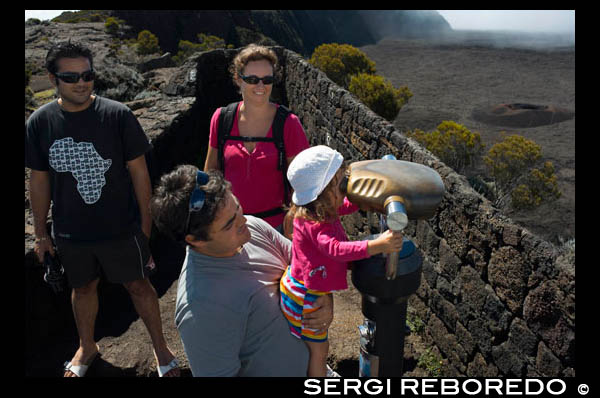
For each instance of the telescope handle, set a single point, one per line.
(391, 266)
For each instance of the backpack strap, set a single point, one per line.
(226, 119)
(267, 213)
(278, 123)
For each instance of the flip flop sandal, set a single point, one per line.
(331, 372)
(163, 370)
(79, 370)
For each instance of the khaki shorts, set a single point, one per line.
(120, 260)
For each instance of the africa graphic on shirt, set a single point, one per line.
(84, 162)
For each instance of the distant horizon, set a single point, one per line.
(529, 21)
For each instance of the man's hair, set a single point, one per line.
(67, 49)
(169, 205)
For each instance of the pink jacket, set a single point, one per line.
(321, 252)
(254, 177)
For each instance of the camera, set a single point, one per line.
(54, 274)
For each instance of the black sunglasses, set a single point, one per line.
(197, 198)
(73, 77)
(252, 79)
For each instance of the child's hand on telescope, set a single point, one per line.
(387, 242)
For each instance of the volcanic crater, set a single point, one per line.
(521, 115)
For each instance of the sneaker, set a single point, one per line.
(332, 373)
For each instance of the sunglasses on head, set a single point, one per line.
(73, 77)
(252, 79)
(197, 198)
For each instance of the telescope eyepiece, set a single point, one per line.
(344, 185)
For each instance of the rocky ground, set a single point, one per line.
(448, 82)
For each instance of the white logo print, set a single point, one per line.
(84, 162)
(321, 269)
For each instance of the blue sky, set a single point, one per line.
(561, 21)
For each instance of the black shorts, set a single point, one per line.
(121, 260)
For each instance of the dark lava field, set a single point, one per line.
(469, 77)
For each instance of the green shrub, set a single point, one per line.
(82, 16)
(341, 61)
(431, 362)
(379, 94)
(452, 143)
(513, 163)
(111, 25)
(415, 323)
(206, 43)
(147, 43)
(539, 186)
(186, 48)
(350, 68)
(510, 158)
(210, 42)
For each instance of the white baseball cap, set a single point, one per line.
(311, 171)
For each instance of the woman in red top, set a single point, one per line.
(251, 167)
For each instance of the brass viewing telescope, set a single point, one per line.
(397, 189)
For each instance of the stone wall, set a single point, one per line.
(496, 299)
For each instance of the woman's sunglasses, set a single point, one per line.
(73, 77)
(252, 79)
(197, 198)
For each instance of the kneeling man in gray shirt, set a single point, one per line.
(227, 310)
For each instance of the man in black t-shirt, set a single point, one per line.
(86, 155)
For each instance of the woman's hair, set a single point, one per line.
(169, 205)
(321, 209)
(252, 52)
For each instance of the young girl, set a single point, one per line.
(321, 251)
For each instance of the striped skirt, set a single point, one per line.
(297, 300)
